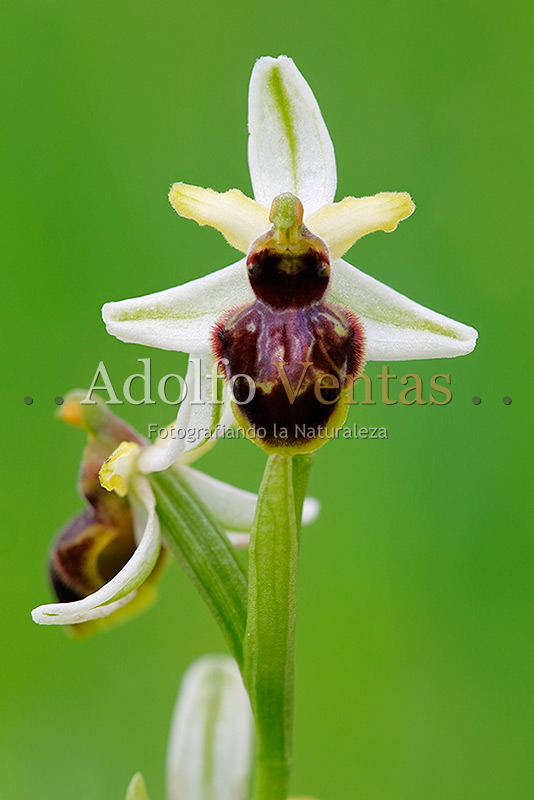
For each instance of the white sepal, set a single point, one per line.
(181, 318)
(239, 540)
(233, 508)
(289, 147)
(396, 328)
(310, 510)
(202, 417)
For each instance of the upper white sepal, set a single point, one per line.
(289, 147)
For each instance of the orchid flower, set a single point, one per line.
(289, 151)
(210, 750)
(105, 564)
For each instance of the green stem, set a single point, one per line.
(271, 621)
(206, 555)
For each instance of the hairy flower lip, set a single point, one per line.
(289, 150)
(302, 360)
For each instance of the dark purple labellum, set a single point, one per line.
(289, 356)
(299, 359)
(88, 553)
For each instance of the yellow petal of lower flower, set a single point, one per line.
(118, 470)
(237, 217)
(342, 224)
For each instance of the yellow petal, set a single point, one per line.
(118, 470)
(341, 224)
(237, 217)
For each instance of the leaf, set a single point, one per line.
(206, 555)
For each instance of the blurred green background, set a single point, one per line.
(414, 648)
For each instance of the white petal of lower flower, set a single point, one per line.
(397, 328)
(289, 147)
(310, 510)
(236, 216)
(181, 318)
(202, 416)
(120, 589)
(210, 744)
(342, 224)
(233, 508)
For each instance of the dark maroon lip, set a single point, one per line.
(320, 345)
(289, 355)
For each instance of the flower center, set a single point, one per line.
(288, 267)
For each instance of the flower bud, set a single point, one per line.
(210, 744)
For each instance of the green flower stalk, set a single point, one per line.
(272, 615)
